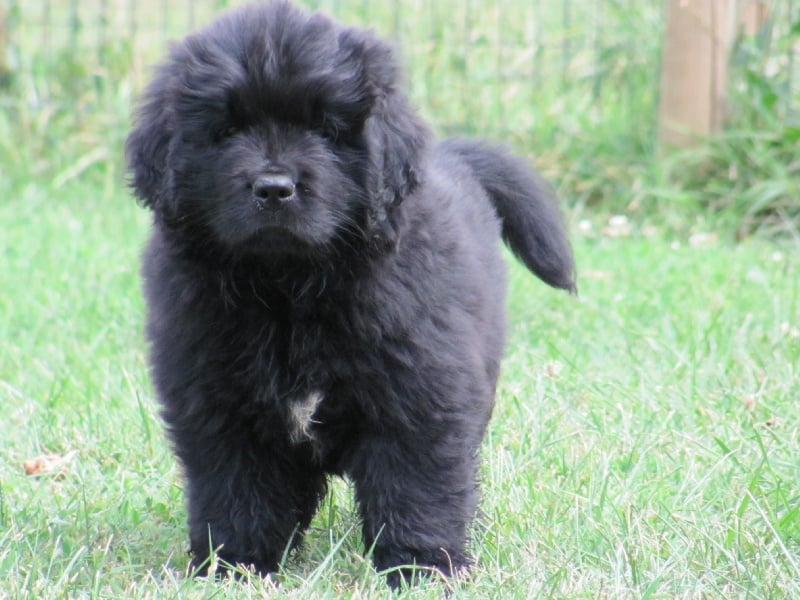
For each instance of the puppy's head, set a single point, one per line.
(276, 130)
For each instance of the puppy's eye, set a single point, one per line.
(335, 132)
(342, 137)
(329, 134)
(223, 133)
(324, 128)
(327, 125)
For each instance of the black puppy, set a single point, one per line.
(324, 285)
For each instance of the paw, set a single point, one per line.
(409, 567)
(221, 564)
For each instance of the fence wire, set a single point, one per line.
(475, 64)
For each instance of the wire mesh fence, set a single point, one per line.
(474, 65)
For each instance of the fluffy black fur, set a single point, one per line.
(324, 285)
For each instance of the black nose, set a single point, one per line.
(274, 189)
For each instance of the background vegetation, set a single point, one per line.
(646, 442)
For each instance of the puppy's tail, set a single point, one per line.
(531, 223)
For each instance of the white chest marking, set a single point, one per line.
(301, 416)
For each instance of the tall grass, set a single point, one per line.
(572, 84)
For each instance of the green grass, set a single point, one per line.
(646, 442)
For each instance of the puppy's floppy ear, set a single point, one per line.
(147, 148)
(395, 135)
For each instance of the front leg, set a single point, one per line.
(417, 495)
(247, 499)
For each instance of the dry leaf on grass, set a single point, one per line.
(702, 240)
(553, 368)
(618, 226)
(48, 464)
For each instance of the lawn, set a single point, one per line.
(645, 444)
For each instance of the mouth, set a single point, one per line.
(274, 239)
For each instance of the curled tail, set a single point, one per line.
(531, 223)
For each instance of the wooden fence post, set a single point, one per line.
(697, 43)
(4, 70)
(753, 16)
